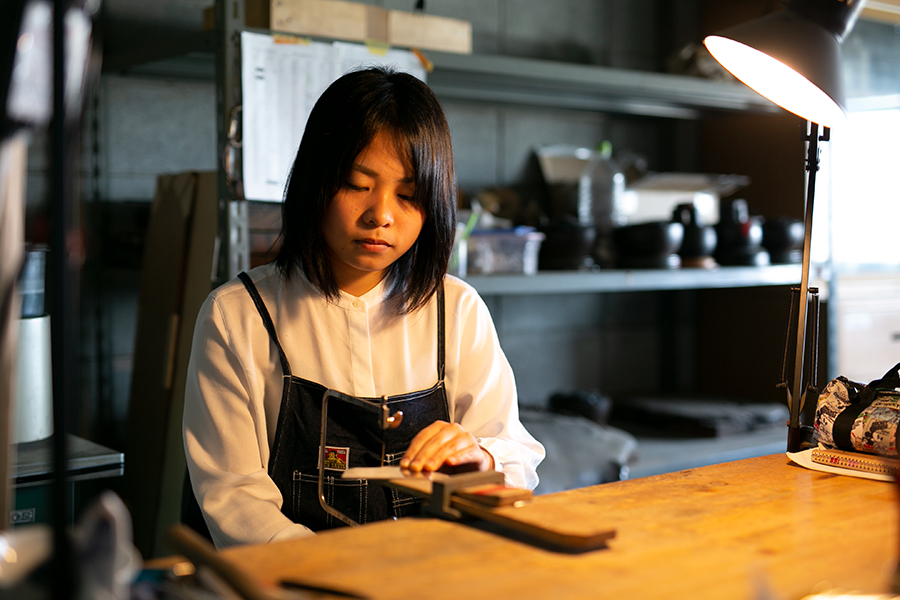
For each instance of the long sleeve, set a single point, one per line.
(485, 401)
(225, 439)
(353, 345)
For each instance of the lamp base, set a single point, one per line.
(801, 438)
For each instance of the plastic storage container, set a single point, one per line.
(504, 251)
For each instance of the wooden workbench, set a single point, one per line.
(751, 529)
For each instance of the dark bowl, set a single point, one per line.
(783, 234)
(567, 245)
(648, 240)
(698, 241)
(746, 234)
(783, 239)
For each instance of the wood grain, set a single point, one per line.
(735, 530)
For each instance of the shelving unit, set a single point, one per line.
(485, 79)
(560, 282)
(542, 83)
(507, 81)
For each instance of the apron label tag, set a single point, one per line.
(336, 458)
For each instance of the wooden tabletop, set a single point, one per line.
(761, 528)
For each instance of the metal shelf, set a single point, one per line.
(86, 460)
(191, 57)
(503, 80)
(522, 81)
(500, 80)
(565, 282)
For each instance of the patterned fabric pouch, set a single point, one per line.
(862, 418)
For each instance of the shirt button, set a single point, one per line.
(356, 304)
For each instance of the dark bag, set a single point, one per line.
(861, 418)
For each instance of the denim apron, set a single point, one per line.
(354, 440)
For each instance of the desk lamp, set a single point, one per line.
(793, 58)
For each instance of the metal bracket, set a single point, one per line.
(388, 421)
(444, 486)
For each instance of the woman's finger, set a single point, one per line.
(424, 437)
(442, 443)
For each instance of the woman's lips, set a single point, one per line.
(374, 245)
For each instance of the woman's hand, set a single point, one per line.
(444, 443)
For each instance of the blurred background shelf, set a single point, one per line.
(558, 282)
(499, 80)
(533, 82)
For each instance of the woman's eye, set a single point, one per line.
(355, 188)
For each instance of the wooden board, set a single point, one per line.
(512, 510)
(176, 277)
(887, 11)
(558, 527)
(429, 32)
(358, 22)
(330, 18)
(13, 176)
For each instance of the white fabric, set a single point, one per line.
(234, 386)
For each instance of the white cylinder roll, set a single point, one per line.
(33, 399)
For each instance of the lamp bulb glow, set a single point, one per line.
(776, 81)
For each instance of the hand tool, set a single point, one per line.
(483, 495)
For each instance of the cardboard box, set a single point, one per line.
(176, 277)
(428, 32)
(357, 22)
(329, 18)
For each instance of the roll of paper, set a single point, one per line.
(33, 399)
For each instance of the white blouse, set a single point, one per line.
(234, 385)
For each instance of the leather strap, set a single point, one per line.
(267, 320)
(843, 423)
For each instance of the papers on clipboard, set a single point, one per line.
(280, 83)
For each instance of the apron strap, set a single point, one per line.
(267, 320)
(441, 342)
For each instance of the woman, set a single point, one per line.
(358, 301)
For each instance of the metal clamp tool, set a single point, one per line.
(388, 421)
(444, 486)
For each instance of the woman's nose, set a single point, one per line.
(380, 211)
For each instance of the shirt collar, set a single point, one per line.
(370, 299)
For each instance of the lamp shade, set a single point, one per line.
(793, 57)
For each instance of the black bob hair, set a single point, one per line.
(345, 119)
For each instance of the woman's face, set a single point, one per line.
(372, 220)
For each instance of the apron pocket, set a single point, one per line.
(401, 503)
(350, 496)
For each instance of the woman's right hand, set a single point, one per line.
(443, 443)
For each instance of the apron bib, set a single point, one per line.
(354, 440)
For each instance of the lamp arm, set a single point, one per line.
(797, 394)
